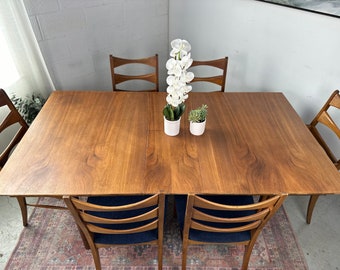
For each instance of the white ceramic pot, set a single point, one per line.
(197, 129)
(171, 128)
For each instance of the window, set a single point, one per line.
(8, 71)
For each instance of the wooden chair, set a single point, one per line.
(125, 73)
(217, 70)
(323, 117)
(119, 220)
(223, 219)
(11, 120)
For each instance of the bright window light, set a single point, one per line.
(8, 72)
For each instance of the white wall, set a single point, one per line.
(76, 37)
(270, 47)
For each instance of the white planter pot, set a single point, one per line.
(171, 128)
(197, 129)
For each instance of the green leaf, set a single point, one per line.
(168, 113)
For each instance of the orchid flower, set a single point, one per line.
(178, 78)
(180, 48)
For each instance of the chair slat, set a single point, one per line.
(96, 219)
(147, 227)
(205, 217)
(201, 202)
(221, 64)
(132, 222)
(201, 227)
(152, 200)
(119, 78)
(208, 220)
(327, 120)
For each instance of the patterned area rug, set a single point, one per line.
(51, 241)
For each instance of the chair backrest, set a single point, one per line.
(119, 220)
(134, 74)
(226, 219)
(325, 118)
(215, 70)
(11, 117)
(207, 215)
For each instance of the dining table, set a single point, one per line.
(111, 143)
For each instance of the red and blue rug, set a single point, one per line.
(52, 242)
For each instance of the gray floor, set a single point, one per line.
(320, 240)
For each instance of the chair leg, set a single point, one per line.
(23, 208)
(311, 205)
(160, 248)
(247, 254)
(83, 237)
(160, 257)
(184, 254)
(96, 258)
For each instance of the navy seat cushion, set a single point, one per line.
(181, 200)
(125, 239)
(122, 238)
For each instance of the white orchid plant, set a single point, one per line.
(178, 79)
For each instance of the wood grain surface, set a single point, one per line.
(100, 143)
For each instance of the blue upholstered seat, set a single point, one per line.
(119, 220)
(224, 219)
(181, 200)
(122, 238)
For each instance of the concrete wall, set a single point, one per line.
(270, 47)
(76, 37)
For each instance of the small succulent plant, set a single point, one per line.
(198, 115)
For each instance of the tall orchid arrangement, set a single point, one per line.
(177, 79)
